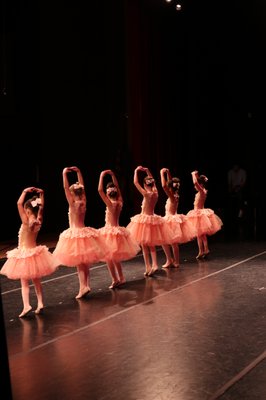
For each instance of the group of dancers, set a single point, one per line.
(80, 246)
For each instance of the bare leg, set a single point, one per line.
(167, 252)
(154, 260)
(146, 256)
(200, 246)
(83, 275)
(25, 291)
(39, 294)
(111, 269)
(120, 273)
(175, 248)
(206, 250)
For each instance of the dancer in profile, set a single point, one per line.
(78, 246)
(29, 261)
(204, 220)
(148, 228)
(183, 230)
(121, 244)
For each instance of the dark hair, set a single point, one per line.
(147, 178)
(202, 180)
(171, 182)
(28, 204)
(113, 193)
(110, 184)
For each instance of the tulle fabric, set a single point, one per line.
(183, 230)
(150, 230)
(77, 246)
(29, 263)
(204, 221)
(121, 245)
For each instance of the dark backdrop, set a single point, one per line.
(115, 84)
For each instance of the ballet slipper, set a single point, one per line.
(83, 293)
(199, 256)
(176, 264)
(167, 264)
(121, 282)
(25, 313)
(39, 310)
(114, 285)
(153, 271)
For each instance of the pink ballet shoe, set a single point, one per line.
(199, 256)
(114, 285)
(147, 272)
(167, 264)
(25, 313)
(176, 264)
(39, 310)
(153, 271)
(83, 293)
(121, 282)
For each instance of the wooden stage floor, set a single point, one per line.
(197, 332)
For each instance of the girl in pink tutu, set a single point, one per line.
(121, 244)
(78, 245)
(29, 261)
(182, 228)
(148, 228)
(204, 220)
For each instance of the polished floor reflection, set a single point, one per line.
(192, 333)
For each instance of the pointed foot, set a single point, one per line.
(39, 310)
(25, 312)
(83, 293)
(114, 285)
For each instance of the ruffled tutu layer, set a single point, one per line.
(150, 230)
(24, 263)
(121, 245)
(204, 221)
(182, 228)
(77, 246)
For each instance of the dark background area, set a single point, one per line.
(116, 84)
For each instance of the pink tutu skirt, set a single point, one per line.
(77, 246)
(121, 245)
(182, 228)
(204, 221)
(150, 230)
(29, 263)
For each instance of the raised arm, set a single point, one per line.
(195, 177)
(101, 186)
(115, 182)
(165, 177)
(20, 203)
(136, 179)
(66, 185)
(41, 204)
(79, 175)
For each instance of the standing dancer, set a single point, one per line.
(183, 230)
(121, 244)
(78, 245)
(204, 220)
(30, 261)
(148, 228)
